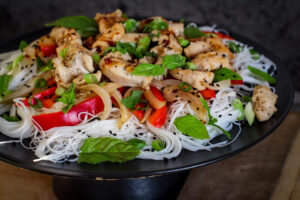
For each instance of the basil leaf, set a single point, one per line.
(146, 69)
(193, 32)
(126, 47)
(143, 45)
(173, 61)
(48, 66)
(140, 144)
(183, 42)
(85, 26)
(39, 62)
(4, 83)
(158, 145)
(224, 74)
(156, 24)
(68, 98)
(109, 49)
(40, 83)
(238, 105)
(90, 79)
(254, 54)
(11, 118)
(184, 86)
(130, 25)
(191, 126)
(96, 58)
(23, 44)
(106, 149)
(235, 48)
(132, 100)
(262, 74)
(35, 102)
(63, 52)
(246, 98)
(190, 65)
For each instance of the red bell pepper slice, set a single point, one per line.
(47, 121)
(157, 93)
(159, 116)
(123, 90)
(49, 50)
(220, 35)
(139, 113)
(43, 95)
(237, 82)
(208, 93)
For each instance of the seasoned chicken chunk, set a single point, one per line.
(263, 101)
(77, 61)
(216, 44)
(64, 36)
(105, 21)
(176, 28)
(194, 78)
(196, 48)
(113, 34)
(132, 37)
(211, 61)
(118, 67)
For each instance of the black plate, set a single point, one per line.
(15, 154)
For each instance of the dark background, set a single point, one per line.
(273, 23)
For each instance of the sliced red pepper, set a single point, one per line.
(48, 50)
(123, 89)
(159, 117)
(220, 35)
(237, 82)
(47, 121)
(139, 113)
(208, 93)
(157, 93)
(43, 95)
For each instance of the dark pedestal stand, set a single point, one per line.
(161, 187)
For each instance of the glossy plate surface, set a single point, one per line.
(16, 155)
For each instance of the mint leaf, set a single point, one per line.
(183, 42)
(4, 83)
(235, 48)
(126, 47)
(106, 149)
(146, 69)
(140, 144)
(48, 66)
(23, 44)
(11, 118)
(191, 126)
(254, 54)
(90, 79)
(96, 58)
(109, 49)
(224, 74)
(63, 52)
(156, 24)
(158, 145)
(246, 98)
(193, 32)
(15, 62)
(68, 98)
(130, 25)
(190, 65)
(184, 86)
(262, 74)
(39, 62)
(85, 26)
(238, 105)
(143, 45)
(173, 61)
(132, 100)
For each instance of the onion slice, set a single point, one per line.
(125, 114)
(146, 115)
(154, 102)
(167, 82)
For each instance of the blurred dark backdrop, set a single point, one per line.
(273, 23)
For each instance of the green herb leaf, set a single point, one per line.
(39, 62)
(238, 105)
(143, 45)
(254, 54)
(40, 83)
(132, 100)
(102, 84)
(11, 118)
(106, 149)
(63, 52)
(85, 26)
(140, 144)
(4, 83)
(193, 32)
(224, 74)
(126, 47)
(90, 79)
(48, 66)
(262, 74)
(156, 24)
(235, 48)
(184, 86)
(96, 58)
(146, 69)
(191, 126)
(246, 98)
(68, 98)
(130, 25)
(190, 65)
(183, 42)
(23, 44)
(35, 102)
(173, 61)
(158, 145)
(15, 62)
(109, 49)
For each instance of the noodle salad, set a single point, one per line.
(112, 89)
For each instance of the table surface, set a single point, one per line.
(252, 174)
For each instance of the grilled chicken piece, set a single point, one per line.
(105, 21)
(216, 44)
(132, 37)
(117, 67)
(196, 48)
(194, 78)
(211, 61)
(77, 62)
(100, 45)
(144, 22)
(176, 28)
(64, 36)
(113, 34)
(263, 101)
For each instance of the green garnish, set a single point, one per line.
(106, 149)
(85, 26)
(130, 25)
(48, 66)
(15, 62)
(183, 42)
(158, 145)
(40, 83)
(146, 69)
(23, 44)
(11, 118)
(191, 126)
(59, 91)
(142, 46)
(184, 86)
(140, 144)
(37, 103)
(249, 113)
(238, 105)
(90, 79)
(63, 52)
(173, 61)
(262, 74)
(102, 84)
(131, 101)
(156, 24)
(68, 98)
(126, 47)
(39, 62)
(190, 65)
(254, 54)
(109, 49)
(246, 98)
(4, 83)
(193, 32)
(96, 58)
(225, 74)
(235, 48)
